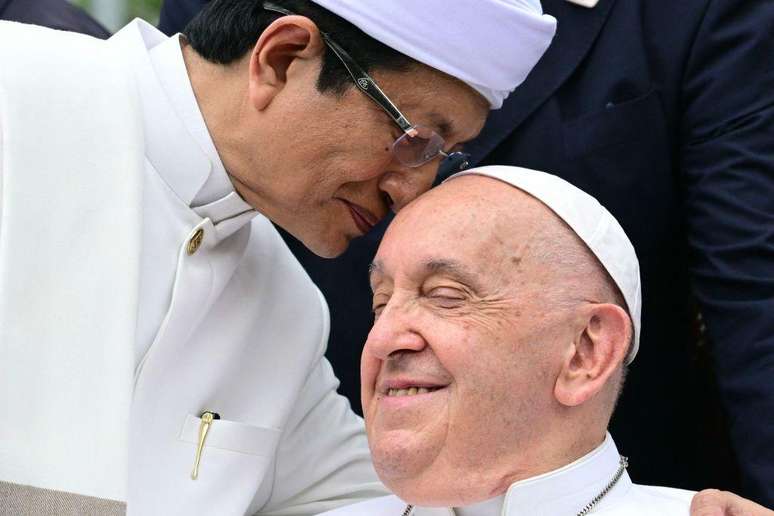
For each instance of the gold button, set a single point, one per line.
(195, 241)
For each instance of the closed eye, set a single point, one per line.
(377, 310)
(446, 297)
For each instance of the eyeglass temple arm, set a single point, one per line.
(367, 85)
(363, 81)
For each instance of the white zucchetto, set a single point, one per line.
(491, 45)
(598, 229)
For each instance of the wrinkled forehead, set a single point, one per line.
(475, 222)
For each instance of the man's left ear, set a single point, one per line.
(288, 40)
(599, 348)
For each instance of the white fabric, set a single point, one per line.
(84, 169)
(598, 229)
(207, 188)
(170, 72)
(491, 507)
(563, 492)
(491, 45)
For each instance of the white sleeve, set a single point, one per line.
(323, 461)
(1, 174)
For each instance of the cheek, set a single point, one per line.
(369, 370)
(483, 357)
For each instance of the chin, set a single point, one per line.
(402, 462)
(331, 247)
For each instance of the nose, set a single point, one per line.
(394, 330)
(404, 184)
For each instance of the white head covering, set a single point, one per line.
(489, 44)
(598, 229)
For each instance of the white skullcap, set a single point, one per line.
(489, 44)
(598, 229)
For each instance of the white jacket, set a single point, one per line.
(244, 334)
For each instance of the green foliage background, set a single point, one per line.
(145, 9)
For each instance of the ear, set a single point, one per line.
(604, 332)
(289, 40)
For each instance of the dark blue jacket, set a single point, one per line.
(57, 14)
(664, 111)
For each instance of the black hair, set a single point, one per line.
(225, 30)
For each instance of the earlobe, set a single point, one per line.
(289, 41)
(597, 351)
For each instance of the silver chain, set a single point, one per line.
(623, 463)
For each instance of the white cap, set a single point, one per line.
(598, 229)
(491, 45)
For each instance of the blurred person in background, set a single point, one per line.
(664, 111)
(161, 351)
(57, 14)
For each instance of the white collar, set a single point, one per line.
(167, 61)
(567, 490)
(491, 507)
(177, 142)
(562, 492)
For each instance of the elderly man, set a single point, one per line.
(161, 349)
(507, 308)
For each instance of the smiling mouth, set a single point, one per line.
(411, 391)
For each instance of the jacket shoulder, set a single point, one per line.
(20, 41)
(33, 59)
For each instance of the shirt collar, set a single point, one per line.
(491, 507)
(176, 154)
(169, 66)
(570, 488)
(562, 492)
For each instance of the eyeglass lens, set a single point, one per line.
(418, 148)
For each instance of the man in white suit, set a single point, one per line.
(507, 307)
(161, 352)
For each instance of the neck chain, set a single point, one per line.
(623, 462)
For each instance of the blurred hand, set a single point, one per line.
(712, 502)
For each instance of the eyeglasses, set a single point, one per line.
(418, 144)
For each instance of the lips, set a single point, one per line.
(364, 219)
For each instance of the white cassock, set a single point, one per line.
(137, 291)
(563, 492)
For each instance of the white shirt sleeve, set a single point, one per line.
(1, 174)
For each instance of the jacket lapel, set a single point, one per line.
(577, 29)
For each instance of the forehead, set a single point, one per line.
(469, 224)
(432, 97)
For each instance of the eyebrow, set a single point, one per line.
(455, 269)
(452, 268)
(445, 126)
